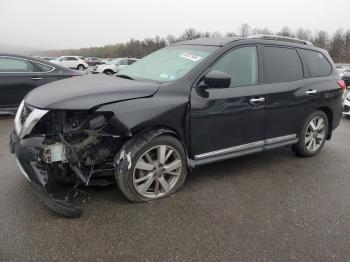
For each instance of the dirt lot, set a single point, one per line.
(265, 207)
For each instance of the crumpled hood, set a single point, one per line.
(85, 92)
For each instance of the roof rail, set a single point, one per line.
(282, 38)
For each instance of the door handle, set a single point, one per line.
(310, 92)
(36, 78)
(258, 100)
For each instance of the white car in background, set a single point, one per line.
(113, 66)
(346, 104)
(73, 62)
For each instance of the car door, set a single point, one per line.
(229, 120)
(72, 62)
(290, 98)
(18, 76)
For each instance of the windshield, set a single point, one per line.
(168, 64)
(112, 62)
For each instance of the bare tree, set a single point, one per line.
(170, 39)
(261, 31)
(285, 31)
(244, 30)
(216, 34)
(190, 34)
(321, 39)
(337, 46)
(230, 34)
(206, 34)
(303, 34)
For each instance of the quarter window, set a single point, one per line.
(281, 65)
(14, 65)
(316, 62)
(241, 64)
(42, 67)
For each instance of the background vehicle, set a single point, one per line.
(21, 74)
(186, 105)
(73, 62)
(113, 66)
(92, 61)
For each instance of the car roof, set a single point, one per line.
(210, 41)
(220, 42)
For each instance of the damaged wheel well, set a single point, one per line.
(123, 158)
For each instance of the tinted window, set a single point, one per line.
(281, 65)
(241, 64)
(131, 61)
(8, 64)
(72, 58)
(316, 62)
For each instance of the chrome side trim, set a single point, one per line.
(22, 170)
(279, 139)
(261, 143)
(230, 149)
(18, 125)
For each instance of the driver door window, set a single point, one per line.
(241, 64)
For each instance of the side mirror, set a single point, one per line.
(217, 79)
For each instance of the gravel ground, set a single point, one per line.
(272, 206)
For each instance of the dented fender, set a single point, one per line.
(123, 159)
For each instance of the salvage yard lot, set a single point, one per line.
(271, 206)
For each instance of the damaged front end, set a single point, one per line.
(59, 151)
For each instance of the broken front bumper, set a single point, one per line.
(27, 157)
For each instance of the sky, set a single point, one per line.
(61, 24)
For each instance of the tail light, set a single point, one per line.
(342, 85)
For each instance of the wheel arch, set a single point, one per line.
(122, 159)
(329, 115)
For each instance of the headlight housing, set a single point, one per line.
(26, 118)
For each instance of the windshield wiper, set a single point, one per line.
(125, 76)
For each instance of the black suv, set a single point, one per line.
(185, 105)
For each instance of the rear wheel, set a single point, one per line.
(158, 170)
(313, 135)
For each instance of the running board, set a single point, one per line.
(242, 150)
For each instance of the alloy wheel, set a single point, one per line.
(315, 134)
(157, 171)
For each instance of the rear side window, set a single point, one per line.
(281, 65)
(42, 68)
(317, 63)
(14, 65)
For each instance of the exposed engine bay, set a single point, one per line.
(78, 148)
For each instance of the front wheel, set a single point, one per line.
(313, 135)
(81, 67)
(158, 169)
(108, 72)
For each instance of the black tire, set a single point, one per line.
(125, 180)
(300, 148)
(108, 72)
(81, 67)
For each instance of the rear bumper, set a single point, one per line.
(27, 152)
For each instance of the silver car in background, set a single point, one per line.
(113, 66)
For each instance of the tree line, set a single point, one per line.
(337, 43)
